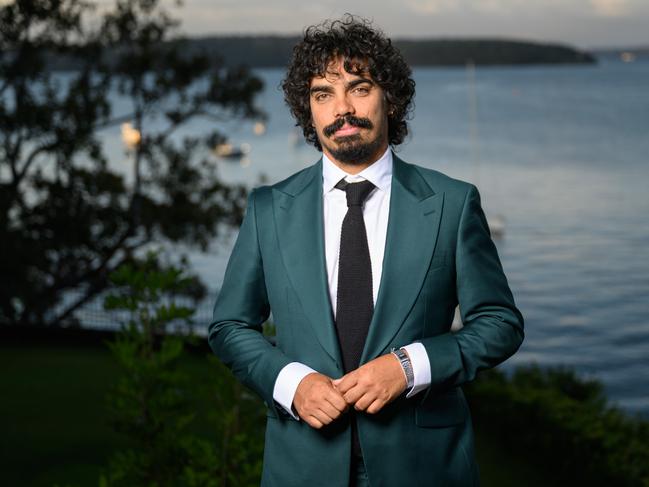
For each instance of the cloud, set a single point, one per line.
(584, 22)
(428, 7)
(600, 8)
(610, 8)
(431, 6)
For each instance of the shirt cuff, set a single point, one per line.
(286, 384)
(420, 367)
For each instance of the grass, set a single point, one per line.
(54, 430)
(53, 405)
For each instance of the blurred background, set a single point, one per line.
(131, 133)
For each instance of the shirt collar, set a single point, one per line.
(379, 173)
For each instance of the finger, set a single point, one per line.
(354, 394)
(348, 381)
(313, 422)
(322, 416)
(337, 401)
(375, 407)
(363, 403)
(329, 409)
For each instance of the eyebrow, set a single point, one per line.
(328, 89)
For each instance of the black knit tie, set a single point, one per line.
(354, 303)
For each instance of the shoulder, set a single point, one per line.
(291, 185)
(295, 182)
(440, 182)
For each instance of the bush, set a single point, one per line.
(564, 424)
(155, 402)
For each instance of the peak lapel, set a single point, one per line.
(300, 230)
(413, 226)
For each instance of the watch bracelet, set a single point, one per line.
(406, 365)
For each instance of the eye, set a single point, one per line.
(361, 90)
(320, 97)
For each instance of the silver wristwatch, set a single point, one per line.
(406, 365)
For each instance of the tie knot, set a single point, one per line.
(356, 192)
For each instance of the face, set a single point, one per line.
(349, 113)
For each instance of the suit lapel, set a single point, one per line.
(413, 226)
(300, 231)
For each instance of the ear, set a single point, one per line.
(389, 108)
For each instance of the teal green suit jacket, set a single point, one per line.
(438, 253)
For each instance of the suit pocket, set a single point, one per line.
(270, 413)
(281, 414)
(438, 410)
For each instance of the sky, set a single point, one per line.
(580, 23)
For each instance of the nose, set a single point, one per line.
(343, 106)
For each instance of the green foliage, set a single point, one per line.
(68, 218)
(151, 404)
(564, 423)
(155, 402)
(268, 329)
(238, 418)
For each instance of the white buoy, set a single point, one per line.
(496, 226)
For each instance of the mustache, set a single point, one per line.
(363, 123)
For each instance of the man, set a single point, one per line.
(362, 259)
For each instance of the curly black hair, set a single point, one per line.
(362, 48)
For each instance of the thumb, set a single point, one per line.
(336, 381)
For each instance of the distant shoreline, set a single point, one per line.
(275, 51)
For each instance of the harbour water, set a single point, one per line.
(561, 153)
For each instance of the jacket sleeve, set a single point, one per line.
(493, 325)
(235, 333)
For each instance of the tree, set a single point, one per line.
(68, 218)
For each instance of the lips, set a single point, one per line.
(347, 130)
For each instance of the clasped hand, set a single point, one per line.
(319, 399)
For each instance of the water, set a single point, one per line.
(562, 153)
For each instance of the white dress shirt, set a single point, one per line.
(375, 214)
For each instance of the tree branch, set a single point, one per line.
(31, 158)
(94, 277)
